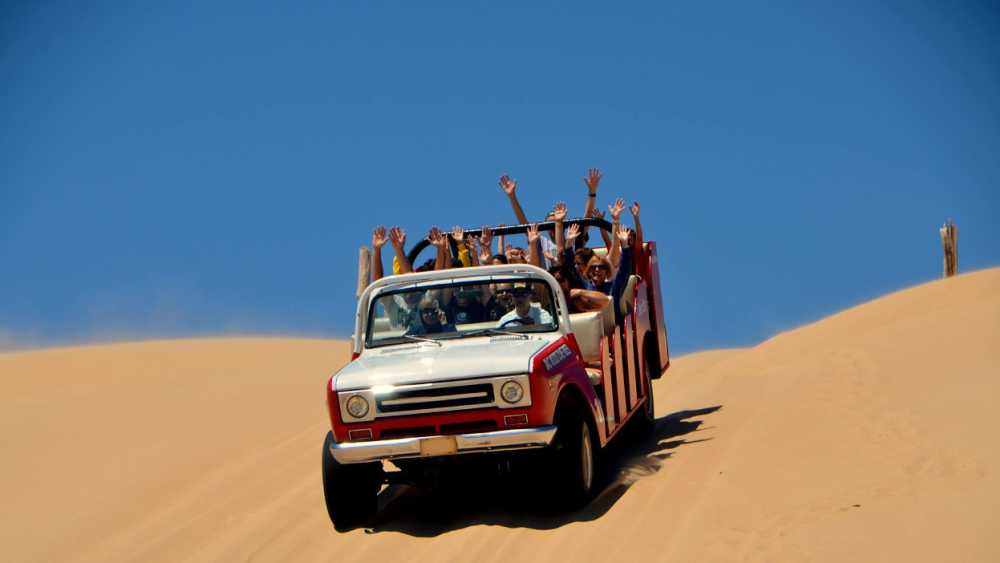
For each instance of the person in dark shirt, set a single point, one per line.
(500, 303)
(465, 306)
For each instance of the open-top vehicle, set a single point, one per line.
(536, 378)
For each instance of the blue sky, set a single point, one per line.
(211, 168)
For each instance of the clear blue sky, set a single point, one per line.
(198, 169)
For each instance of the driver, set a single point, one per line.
(525, 312)
(432, 318)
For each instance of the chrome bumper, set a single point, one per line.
(434, 446)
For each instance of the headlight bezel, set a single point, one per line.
(357, 400)
(511, 384)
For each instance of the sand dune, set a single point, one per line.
(867, 436)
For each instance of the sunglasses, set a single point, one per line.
(428, 311)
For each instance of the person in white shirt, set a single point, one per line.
(525, 312)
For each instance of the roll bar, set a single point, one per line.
(544, 226)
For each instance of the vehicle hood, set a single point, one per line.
(423, 362)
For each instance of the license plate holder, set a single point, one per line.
(438, 445)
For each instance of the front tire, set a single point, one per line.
(350, 490)
(575, 455)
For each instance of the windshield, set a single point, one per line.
(461, 309)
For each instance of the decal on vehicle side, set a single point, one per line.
(558, 356)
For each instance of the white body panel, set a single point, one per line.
(415, 362)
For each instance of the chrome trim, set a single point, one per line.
(375, 412)
(434, 399)
(403, 448)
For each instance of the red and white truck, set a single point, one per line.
(539, 381)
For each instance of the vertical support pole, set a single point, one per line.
(949, 243)
(610, 401)
(621, 372)
(364, 270)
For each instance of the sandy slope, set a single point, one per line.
(865, 436)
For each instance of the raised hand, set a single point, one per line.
(378, 237)
(571, 234)
(634, 209)
(623, 234)
(616, 209)
(532, 234)
(457, 233)
(592, 180)
(596, 213)
(436, 238)
(559, 211)
(397, 237)
(485, 237)
(484, 254)
(508, 184)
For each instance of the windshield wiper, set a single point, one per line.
(492, 331)
(419, 339)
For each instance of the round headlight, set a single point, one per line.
(357, 406)
(512, 392)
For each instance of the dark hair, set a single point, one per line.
(426, 266)
(585, 253)
(501, 257)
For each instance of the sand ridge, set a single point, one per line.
(864, 436)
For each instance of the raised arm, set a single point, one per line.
(534, 252)
(558, 215)
(439, 241)
(616, 247)
(501, 247)
(592, 181)
(397, 237)
(509, 187)
(568, 256)
(458, 235)
(378, 241)
(638, 227)
(598, 214)
(485, 250)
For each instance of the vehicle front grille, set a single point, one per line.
(390, 433)
(406, 401)
(469, 427)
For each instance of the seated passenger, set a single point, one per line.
(465, 306)
(599, 274)
(525, 312)
(500, 302)
(432, 318)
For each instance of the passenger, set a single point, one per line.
(432, 318)
(599, 274)
(581, 258)
(578, 300)
(466, 305)
(515, 255)
(500, 303)
(525, 312)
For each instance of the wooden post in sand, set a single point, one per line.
(364, 269)
(949, 241)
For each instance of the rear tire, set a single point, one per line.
(575, 456)
(350, 490)
(645, 420)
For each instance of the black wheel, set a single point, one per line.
(575, 456)
(350, 490)
(645, 420)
